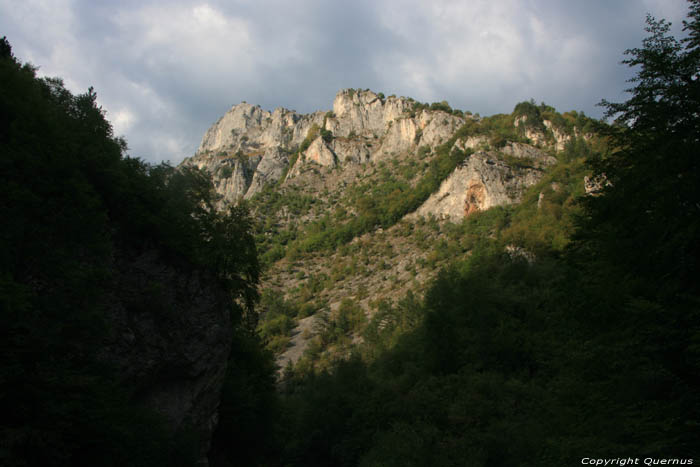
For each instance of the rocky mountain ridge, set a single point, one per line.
(249, 147)
(351, 204)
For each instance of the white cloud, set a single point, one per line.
(195, 39)
(123, 120)
(166, 71)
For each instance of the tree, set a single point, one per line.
(638, 245)
(648, 220)
(75, 210)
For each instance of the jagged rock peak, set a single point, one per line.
(249, 128)
(364, 112)
(248, 147)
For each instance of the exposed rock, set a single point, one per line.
(299, 342)
(248, 128)
(594, 185)
(254, 144)
(364, 113)
(320, 153)
(543, 136)
(475, 197)
(437, 127)
(401, 136)
(528, 153)
(350, 150)
(269, 170)
(234, 174)
(472, 142)
(170, 339)
(480, 182)
(249, 147)
(517, 252)
(560, 138)
(358, 119)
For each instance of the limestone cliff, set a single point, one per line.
(485, 180)
(249, 147)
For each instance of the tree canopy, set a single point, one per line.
(72, 202)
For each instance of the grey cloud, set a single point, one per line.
(166, 71)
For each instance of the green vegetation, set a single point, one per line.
(444, 106)
(380, 204)
(589, 346)
(75, 212)
(226, 171)
(532, 113)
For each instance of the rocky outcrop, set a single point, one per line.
(560, 137)
(547, 134)
(233, 174)
(350, 150)
(170, 338)
(401, 135)
(248, 128)
(437, 127)
(271, 168)
(528, 154)
(364, 113)
(320, 153)
(482, 181)
(473, 142)
(594, 186)
(249, 147)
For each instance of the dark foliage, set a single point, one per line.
(71, 201)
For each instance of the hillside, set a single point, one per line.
(362, 204)
(446, 289)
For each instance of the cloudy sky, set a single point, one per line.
(166, 70)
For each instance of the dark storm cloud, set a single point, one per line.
(165, 71)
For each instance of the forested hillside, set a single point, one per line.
(122, 290)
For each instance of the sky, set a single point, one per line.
(165, 71)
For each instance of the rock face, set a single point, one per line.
(364, 113)
(170, 340)
(482, 181)
(554, 135)
(248, 128)
(249, 148)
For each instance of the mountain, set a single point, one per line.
(438, 288)
(353, 205)
(249, 147)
